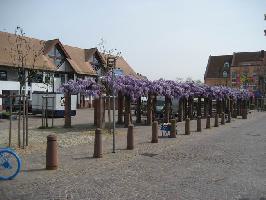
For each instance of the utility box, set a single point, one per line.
(53, 102)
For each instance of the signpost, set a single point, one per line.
(111, 63)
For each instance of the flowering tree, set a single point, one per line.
(133, 88)
(87, 87)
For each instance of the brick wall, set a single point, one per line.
(217, 81)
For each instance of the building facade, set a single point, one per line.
(244, 70)
(47, 65)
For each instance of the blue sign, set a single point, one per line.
(118, 72)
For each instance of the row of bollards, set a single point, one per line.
(51, 150)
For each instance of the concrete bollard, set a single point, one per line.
(98, 144)
(208, 122)
(199, 124)
(216, 121)
(187, 126)
(154, 132)
(51, 153)
(223, 118)
(130, 137)
(173, 128)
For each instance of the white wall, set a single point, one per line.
(41, 87)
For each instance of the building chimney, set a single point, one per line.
(262, 54)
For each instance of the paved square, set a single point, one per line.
(227, 162)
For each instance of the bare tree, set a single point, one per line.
(24, 55)
(112, 53)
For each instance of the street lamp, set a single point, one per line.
(111, 61)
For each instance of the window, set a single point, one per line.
(3, 75)
(56, 75)
(233, 75)
(63, 78)
(37, 78)
(57, 56)
(71, 76)
(226, 65)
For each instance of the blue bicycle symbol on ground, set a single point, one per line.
(10, 164)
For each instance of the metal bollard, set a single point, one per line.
(208, 122)
(173, 128)
(130, 137)
(98, 144)
(51, 153)
(223, 118)
(216, 121)
(187, 126)
(154, 132)
(199, 124)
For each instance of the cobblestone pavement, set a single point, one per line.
(228, 162)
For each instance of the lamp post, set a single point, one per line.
(111, 63)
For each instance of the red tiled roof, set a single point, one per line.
(215, 66)
(248, 58)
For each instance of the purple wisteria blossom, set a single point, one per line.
(134, 88)
(87, 87)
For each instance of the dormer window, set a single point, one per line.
(56, 55)
(226, 65)
(95, 63)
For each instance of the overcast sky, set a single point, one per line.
(159, 38)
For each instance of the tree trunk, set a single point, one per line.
(149, 110)
(180, 110)
(210, 107)
(23, 121)
(190, 107)
(120, 108)
(218, 111)
(100, 113)
(205, 107)
(185, 108)
(95, 106)
(224, 105)
(138, 113)
(19, 116)
(109, 114)
(199, 107)
(67, 110)
(127, 111)
(167, 109)
(154, 102)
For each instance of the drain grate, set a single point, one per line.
(149, 154)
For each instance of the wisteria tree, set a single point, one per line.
(133, 88)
